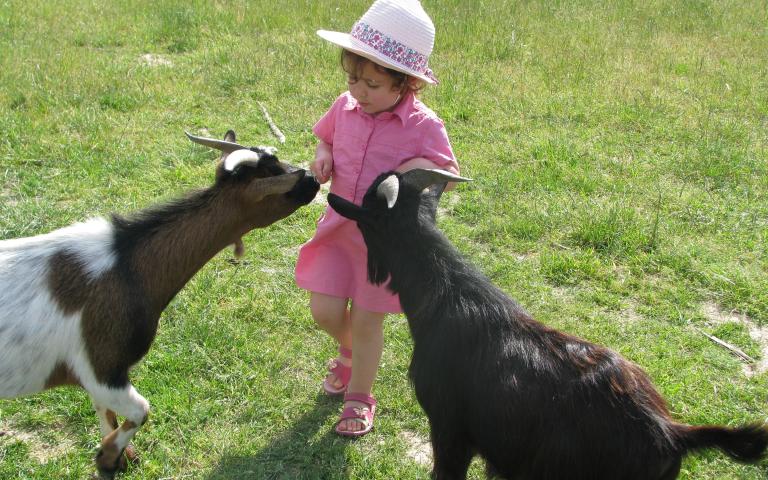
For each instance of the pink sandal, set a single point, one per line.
(364, 415)
(341, 371)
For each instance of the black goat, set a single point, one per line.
(536, 403)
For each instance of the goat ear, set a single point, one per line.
(420, 178)
(388, 190)
(345, 208)
(430, 199)
(435, 191)
(278, 185)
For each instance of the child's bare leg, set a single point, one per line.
(332, 315)
(368, 341)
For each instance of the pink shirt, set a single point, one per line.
(334, 261)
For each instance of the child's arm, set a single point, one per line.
(420, 162)
(322, 166)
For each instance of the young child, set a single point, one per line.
(376, 126)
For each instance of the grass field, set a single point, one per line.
(619, 151)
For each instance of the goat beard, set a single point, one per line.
(378, 273)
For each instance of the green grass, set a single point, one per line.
(621, 188)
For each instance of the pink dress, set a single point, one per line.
(334, 261)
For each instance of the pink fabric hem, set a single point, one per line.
(325, 289)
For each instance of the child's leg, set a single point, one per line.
(331, 314)
(368, 342)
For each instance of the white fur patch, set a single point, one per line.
(35, 335)
(89, 241)
(240, 156)
(124, 401)
(268, 150)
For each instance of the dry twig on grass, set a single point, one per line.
(276, 131)
(733, 349)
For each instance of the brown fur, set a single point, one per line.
(67, 282)
(157, 251)
(61, 375)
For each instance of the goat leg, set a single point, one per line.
(130, 404)
(110, 458)
(452, 457)
(108, 424)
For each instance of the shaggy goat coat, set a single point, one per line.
(536, 403)
(81, 305)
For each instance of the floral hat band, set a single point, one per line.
(396, 34)
(400, 53)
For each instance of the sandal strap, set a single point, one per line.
(361, 397)
(362, 414)
(341, 371)
(345, 352)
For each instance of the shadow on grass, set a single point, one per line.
(298, 453)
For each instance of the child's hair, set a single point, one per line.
(353, 64)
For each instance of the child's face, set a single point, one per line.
(373, 90)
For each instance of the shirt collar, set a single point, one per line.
(401, 111)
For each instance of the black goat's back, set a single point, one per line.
(533, 415)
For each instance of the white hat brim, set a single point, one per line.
(347, 42)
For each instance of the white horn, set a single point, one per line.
(388, 189)
(241, 156)
(423, 178)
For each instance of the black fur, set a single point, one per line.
(536, 403)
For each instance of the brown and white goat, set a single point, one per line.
(536, 403)
(81, 305)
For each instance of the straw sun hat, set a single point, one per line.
(396, 34)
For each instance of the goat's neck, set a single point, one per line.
(437, 286)
(424, 269)
(167, 257)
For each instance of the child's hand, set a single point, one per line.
(322, 166)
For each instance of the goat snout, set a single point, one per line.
(305, 189)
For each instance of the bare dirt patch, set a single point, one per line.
(153, 60)
(629, 314)
(7, 200)
(418, 449)
(759, 333)
(445, 208)
(40, 449)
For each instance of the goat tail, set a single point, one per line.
(746, 444)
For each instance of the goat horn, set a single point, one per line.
(223, 145)
(422, 178)
(389, 189)
(241, 156)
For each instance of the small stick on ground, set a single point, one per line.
(735, 350)
(276, 131)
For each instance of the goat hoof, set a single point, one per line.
(102, 475)
(107, 473)
(131, 455)
(109, 464)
